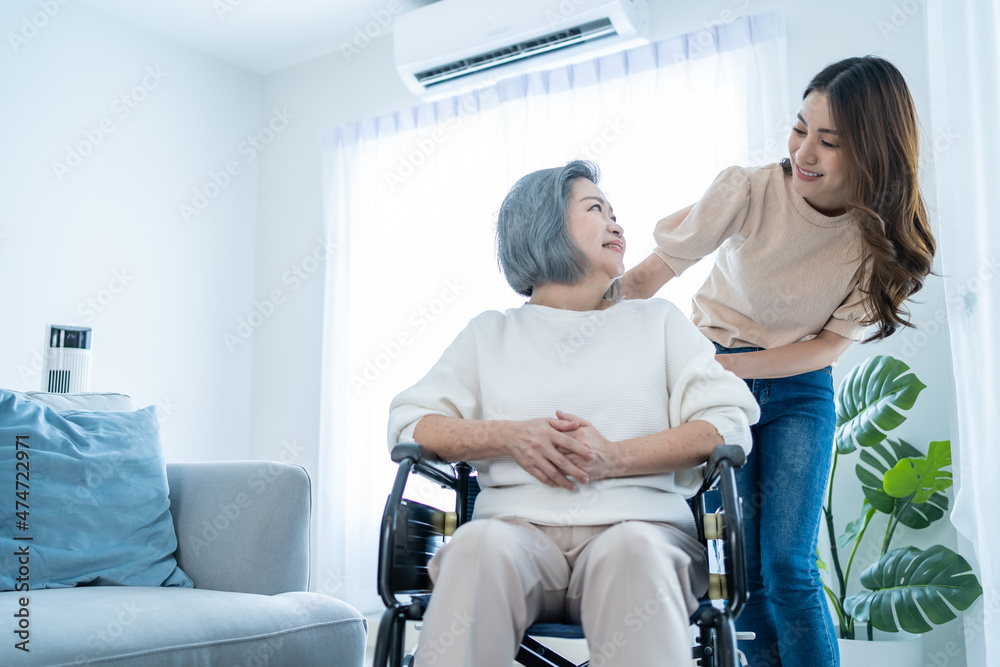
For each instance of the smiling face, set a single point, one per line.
(593, 227)
(819, 171)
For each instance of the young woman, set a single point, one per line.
(587, 420)
(812, 251)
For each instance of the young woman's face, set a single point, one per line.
(818, 170)
(593, 228)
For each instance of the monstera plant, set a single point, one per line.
(906, 588)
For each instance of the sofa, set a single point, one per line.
(242, 539)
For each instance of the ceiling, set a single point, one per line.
(259, 35)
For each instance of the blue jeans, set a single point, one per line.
(782, 486)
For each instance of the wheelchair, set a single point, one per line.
(412, 532)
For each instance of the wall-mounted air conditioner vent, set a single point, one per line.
(449, 46)
(526, 49)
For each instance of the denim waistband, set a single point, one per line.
(721, 349)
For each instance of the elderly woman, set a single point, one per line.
(587, 420)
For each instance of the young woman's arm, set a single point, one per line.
(646, 278)
(540, 446)
(787, 360)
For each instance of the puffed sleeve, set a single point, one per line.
(851, 319)
(450, 388)
(718, 215)
(700, 388)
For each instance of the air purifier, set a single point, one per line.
(67, 360)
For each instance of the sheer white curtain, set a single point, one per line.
(964, 62)
(411, 199)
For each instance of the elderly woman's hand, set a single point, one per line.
(544, 447)
(605, 462)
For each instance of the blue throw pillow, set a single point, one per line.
(90, 491)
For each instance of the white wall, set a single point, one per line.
(331, 91)
(158, 326)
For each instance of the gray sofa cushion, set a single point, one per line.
(251, 513)
(166, 627)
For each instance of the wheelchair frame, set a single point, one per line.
(411, 533)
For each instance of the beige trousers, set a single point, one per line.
(631, 585)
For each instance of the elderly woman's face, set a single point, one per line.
(593, 228)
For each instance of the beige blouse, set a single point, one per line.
(784, 271)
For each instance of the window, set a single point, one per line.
(412, 198)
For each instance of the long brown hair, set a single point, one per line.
(876, 122)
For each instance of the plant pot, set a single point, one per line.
(901, 652)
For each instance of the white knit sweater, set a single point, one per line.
(637, 368)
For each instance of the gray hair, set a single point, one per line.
(533, 241)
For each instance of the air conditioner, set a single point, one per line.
(451, 46)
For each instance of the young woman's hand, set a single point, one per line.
(544, 447)
(605, 461)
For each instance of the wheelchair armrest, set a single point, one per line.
(731, 454)
(397, 557)
(425, 463)
(720, 470)
(411, 450)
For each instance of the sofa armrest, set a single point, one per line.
(242, 526)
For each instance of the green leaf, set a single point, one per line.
(857, 526)
(875, 463)
(920, 477)
(869, 401)
(820, 563)
(914, 590)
